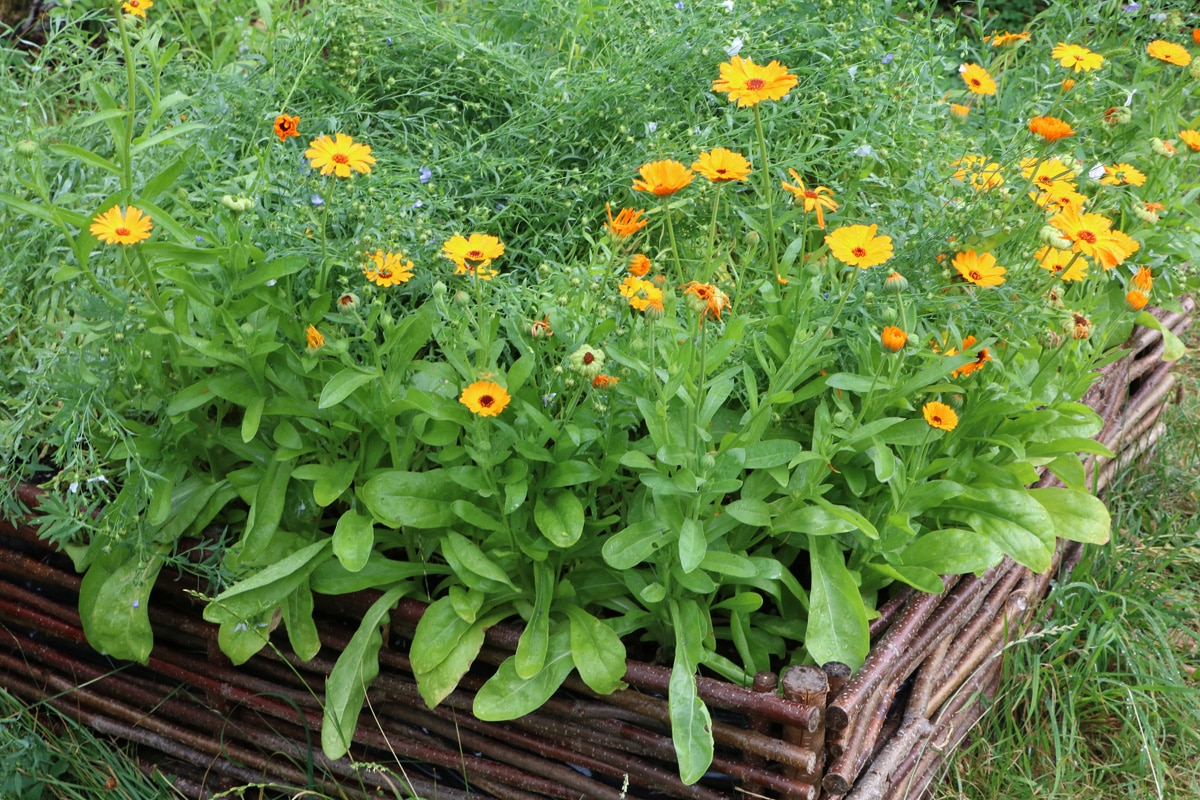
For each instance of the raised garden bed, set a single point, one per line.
(809, 733)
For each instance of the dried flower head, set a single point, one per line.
(705, 299)
(286, 126)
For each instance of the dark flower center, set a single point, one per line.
(123, 231)
(859, 252)
(1088, 237)
(475, 255)
(755, 84)
(340, 158)
(975, 275)
(588, 358)
(976, 82)
(385, 273)
(486, 401)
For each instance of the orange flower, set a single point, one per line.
(639, 265)
(473, 255)
(1196, 35)
(893, 338)
(1068, 84)
(1190, 137)
(1080, 59)
(981, 358)
(816, 199)
(1144, 279)
(959, 110)
(121, 227)
(720, 165)
(1006, 38)
(980, 269)
(1050, 128)
(663, 178)
(286, 126)
(977, 79)
(1169, 52)
(706, 299)
(604, 382)
(641, 294)
(940, 416)
(485, 398)
(1121, 174)
(313, 338)
(387, 269)
(627, 223)
(749, 83)
(1136, 300)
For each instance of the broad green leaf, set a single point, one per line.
(1069, 469)
(412, 499)
(751, 512)
(952, 551)
(849, 515)
(343, 384)
(837, 619)
(535, 639)
(729, 564)
(1012, 518)
(507, 695)
(922, 579)
(570, 473)
(114, 599)
(264, 590)
(597, 651)
(635, 544)
(474, 515)
(468, 561)
(252, 418)
(691, 725)
(380, 572)
(692, 545)
(519, 372)
(1078, 516)
(1067, 444)
(267, 508)
(1173, 348)
(560, 518)
(852, 382)
(353, 539)
(771, 453)
(272, 271)
(301, 628)
(811, 519)
(241, 641)
(85, 156)
(456, 646)
(144, 143)
(334, 480)
(356, 668)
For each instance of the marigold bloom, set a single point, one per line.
(1084, 230)
(940, 416)
(586, 361)
(286, 126)
(639, 265)
(1080, 59)
(485, 398)
(1068, 84)
(387, 269)
(663, 178)
(1046, 173)
(720, 165)
(627, 223)
(1196, 35)
(1005, 39)
(313, 338)
(1114, 247)
(1061, 195)
(706, 300)
(1066, 264)
(893, 338)
(1169, 52)
(749, 83)
(137, 7)
(818, 199)
(859, 246)
(979, 268)
(1144, 279)
(1050, 128)
(540, 329)
(641, 294)
(473, 255)
(1122, 174)
(1136, 300)
(981, 358)
(959, 110)
(117, 227)
(977, 79)
(982, 174)
(1190, 137)
(604, 382)
(339, 155)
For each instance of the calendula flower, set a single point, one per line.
(313, 338)
(663, 178)
(1196, 35)
(982, 174)
(586, 361)
(705, 299)
(137, 8)
(721, 166)
(1084, 230)
(1050, 128)
(485, 398)
(749, 83)
(979, 268)
(895, 282)
(1080, 59)
(940, 416)
(1006, 39)
(1060, 196)
(1117, 115)
(1136, 300)
(1122, 174)
(1147, 212)
(473, 255)
(627, 223)
(1144, 279)
(121, 227)
(1162, 147)
(1068, 84)
(387, 269)
(977, 79)
(1114, 247)
(604, 382)
(981, 358)
(893, 338)
(641, 294)
(1169, 52)
(541, 328)
(338, 156)
(959, 110)
(1066, 264)
(639, 266)
(1080, 326)
(1191, 138)
(1047, 173)
(347, 301)
(818, 199)
(859, 246)
(286, 126)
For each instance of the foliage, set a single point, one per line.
(719, 457)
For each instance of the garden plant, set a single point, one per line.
(681, 333)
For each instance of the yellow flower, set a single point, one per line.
(893, 338)
(980, 269)
(1084, 230)
(1144, 279)
(1050, 128)
(706, 300)
(1047, 174)
(979, 172)
(1136, 300)
(749, 83)
(1061, 195)
(977, 79)
(1169, 52)
(663, 178)
(1066, 264)
(285, 126)
(1121, 174)
(1190, 137)
(859, 246)
(485, 398)
(137, 7)
(1114, 247)
(959, 110)
(1006, 38)
(313, 338)
(818, 199)
(641, 294)
(339, 155)
(1080, 59)
(940, 416)
(474, 255)
(627, 223)
(117, 227)
(720, 165)
(390, 269)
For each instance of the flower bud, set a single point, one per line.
(461, 298)
(895, 283)
(347, 301)
(27, 148)
(1163, 148)
(1135, 300)
(587, 361)
(1053, 237)
(889, 314)
(439, 289)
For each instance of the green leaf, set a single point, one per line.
(86, 156)
(1069, 469)
(635, 544)
(271, 271)
(560, 518)
(597, 651)
(922, 579)
(301, 628)
(751, 512)
(1173, 348)
(334, 480)
(811, 519)
(691, 725)
(380, 572)
(145, 143)
(474, 515)
(343, 384)
(167, 177)
(1078, 516)
(447, 645)
(731, 564)
(692, 545)
(531, 647)
(468, 561)
(267, 508)
(114, 599)
(519, 372)
(1012, 518)
(952, 551)
(353, 539)
(570, 473)
(412, 499)
(507, 695)
(851, 516)
(241, 641)
(252, 418)
(356, 668)
(771, 453)
(837, 618)
(852, 382)
(265, 590)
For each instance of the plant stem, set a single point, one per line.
(130, 110)
(767, 194)
(671, 236)
(712, 236)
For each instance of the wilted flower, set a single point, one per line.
(541, 328)
(705, 299)
(604, 382)
(1147, 212)
(286, 126)
(1162, 147)
(1117, 115)
(1068, 84)
(1080, 326)
(977, 79)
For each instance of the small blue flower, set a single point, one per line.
(1131, 8)
(389, 41)
(887, 59)
(199, 239)
(419, 204)
(426, 174)
(679, 5)
(137, 603)
(315, 199)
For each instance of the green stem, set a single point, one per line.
(767, 193)
(130, 109)
(323, 270)
(671, 236)
(712, 236)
